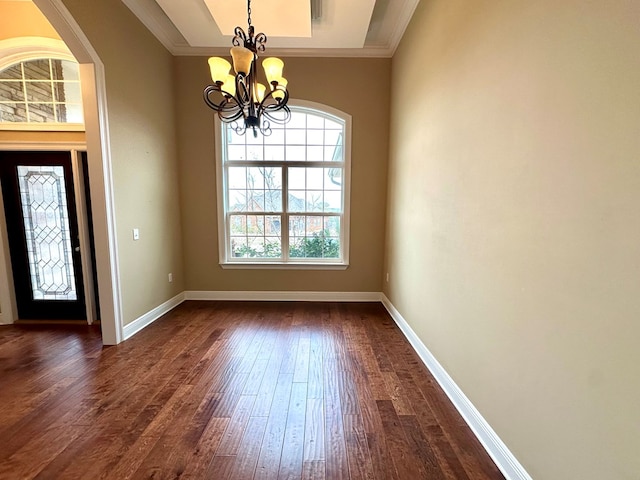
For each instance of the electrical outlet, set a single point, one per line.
(170, 277)
(136, 234)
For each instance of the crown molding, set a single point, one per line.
(152, 17)
(372, 52)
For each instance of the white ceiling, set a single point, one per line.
(346, 28)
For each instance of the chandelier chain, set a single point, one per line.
(249, 11)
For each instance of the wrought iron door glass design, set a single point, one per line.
(46, 224)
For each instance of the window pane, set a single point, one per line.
(255, 236)
(65, 70)
(315, 137)
(237, 200)
(298, 120)
(333, 202)
(255, 189)
(297, 202)
(314, 237)
(41, 113)
(297, 178)
(37, 69)
(333, 154)
(331, 125)
(333, 138)
(237, 177)
(315, 178)
(315, 201)
(11, 91)
(315, 121)
(255, 225)
(238, 225)
(295, 153)
(333, 178)
(276, 137)
(46, 226)
(68, 92)
(13, 112)
(39, 92)
(296, 137)
(236, 152)
(315, 153)
(315, 189)
(274, 152)
(254, 152)
(13, 72)
(70, 113)
(75, 114)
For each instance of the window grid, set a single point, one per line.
(38, 95)
(306, 234)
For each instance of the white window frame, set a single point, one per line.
(23, 49)
(226, 260)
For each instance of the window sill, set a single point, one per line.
(283, 266)
(42, 127)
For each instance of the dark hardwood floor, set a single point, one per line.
(230, 390)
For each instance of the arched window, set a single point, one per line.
(39, 87)
(284, 198)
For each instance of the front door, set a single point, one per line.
(42, 227)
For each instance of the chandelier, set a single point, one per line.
(239, 99)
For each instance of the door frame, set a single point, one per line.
(7, 288)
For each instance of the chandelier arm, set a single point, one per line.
(240, 38)
(283, 117)
(265, 127)
(269, 102)
(259, 42)
(228, 108)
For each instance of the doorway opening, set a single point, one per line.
(50, 236)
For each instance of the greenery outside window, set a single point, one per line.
(284, 198)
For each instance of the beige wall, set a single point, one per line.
(359, 87)
(513, 226)
(143, 148)
(23, 19)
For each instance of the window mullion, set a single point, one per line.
(284, 224)
(24, 91)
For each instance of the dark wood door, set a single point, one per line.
(42, 227)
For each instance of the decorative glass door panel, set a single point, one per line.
(42, 227)
(46, 227)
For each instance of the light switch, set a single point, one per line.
(136, 234)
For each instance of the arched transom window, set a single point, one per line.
(41, 91)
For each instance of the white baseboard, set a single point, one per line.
(148, 318)
(285, 296)
(504, 459)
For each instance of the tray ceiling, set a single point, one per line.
(358, 28)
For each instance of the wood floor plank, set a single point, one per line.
(230, 390)
(314, 432)
(293, 445)
(271, 448)
(237, 424)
